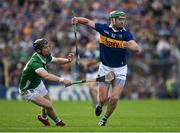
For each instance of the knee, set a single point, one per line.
(102, 98)
(114, 99)
(92, 89)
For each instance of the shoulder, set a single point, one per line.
(101, 25)
(126, 31)
(127, 35)
(35, 61)
(35, 58)
(49, 59)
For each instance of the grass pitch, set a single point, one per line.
(139, 116)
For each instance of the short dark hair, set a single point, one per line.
(39, 43)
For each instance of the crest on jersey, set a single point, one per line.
(120, 35)
(113, 35)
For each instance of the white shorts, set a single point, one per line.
(31, 93)
(91, 75)
(120, 73)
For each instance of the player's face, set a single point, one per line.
(119, 23)
(46, 50)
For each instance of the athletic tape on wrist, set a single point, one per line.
(61, 79)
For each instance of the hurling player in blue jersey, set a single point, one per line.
(115, 40)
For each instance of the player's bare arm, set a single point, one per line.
(51, 77)
(84, 21)
(60, 61)
(132, 45)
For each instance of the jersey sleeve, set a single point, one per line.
(36, 65)
(128, 36)
(99, 27)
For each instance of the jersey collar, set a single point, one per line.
(115, 30)
(43, 61)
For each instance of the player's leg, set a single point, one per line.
(44, 113)
(117, 87)
(34, 96)
(44, 101)
(42, 91)
(50, 111)
(103, 96)
(93, 91)
(52, 114)
(103, 89)
(93, 88)
(43, 117)
(45, 104)
(113, 100)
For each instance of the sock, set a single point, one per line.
(56, 119)
(44, 116)
(104, 119)
(100, 104)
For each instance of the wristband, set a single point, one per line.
(61, 79)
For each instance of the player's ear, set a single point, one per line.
(38, 51)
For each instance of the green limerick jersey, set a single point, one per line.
(29, 78)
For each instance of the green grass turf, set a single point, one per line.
(153, 115)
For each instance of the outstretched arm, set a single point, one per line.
(84, 21)
(51, 77)
(60, 61)
(132, 45)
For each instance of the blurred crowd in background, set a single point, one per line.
(154, 23)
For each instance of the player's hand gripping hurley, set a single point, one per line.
(106, 78)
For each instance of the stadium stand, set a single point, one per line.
(154, 23)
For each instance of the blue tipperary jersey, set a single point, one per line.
(112, 53)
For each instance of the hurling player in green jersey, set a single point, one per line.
(31, 85)
(114, 42)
